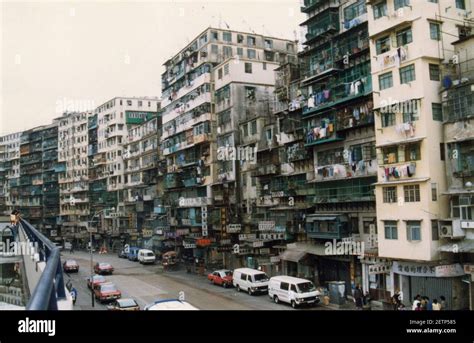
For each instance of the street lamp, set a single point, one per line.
(90, 249)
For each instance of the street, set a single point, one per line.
(147, 283)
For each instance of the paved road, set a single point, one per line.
(149, 283)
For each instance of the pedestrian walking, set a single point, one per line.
(443, 302)
(416, 301)
(436, 305)
(429, 304)
(418, 307)
(74, 295)
(358, 297)
(396, 301)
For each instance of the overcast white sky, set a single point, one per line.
(60, 53)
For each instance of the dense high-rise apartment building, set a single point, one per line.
(143, 183)
(74, 181)
(216, 72)
(336, 156)
(9, 171)
(108, 129)
(410, 42)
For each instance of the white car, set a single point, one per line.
(292, 290)
(250, 280)
(170, 305)
(146, 256)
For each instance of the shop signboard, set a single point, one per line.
(147, 233)
(380, 268)
(468, 268)
(274, 259)
(247, 236)
(234, 228)
(266, 225)
(203, 242)
(257, 244)
(204, 221)
(188, 245)
(182, 232)
(423, 270)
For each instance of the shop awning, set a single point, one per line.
(398, 182)
(311, 219)
(465, 246)
(305, 248)
(401, 142)
(292, 255)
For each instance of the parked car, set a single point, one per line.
(107, 292)
(146, 256)
(71, 266)
(96, 280)
(170, 305)
(103, 268)
(251, 280)
(133, 254)
(124, 305)
(122, 254)
(221, 277)
(292, 290)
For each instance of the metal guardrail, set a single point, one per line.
(50, 287)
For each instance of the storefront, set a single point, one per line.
(431, 280)
(376, 278)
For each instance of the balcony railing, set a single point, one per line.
(50, 287)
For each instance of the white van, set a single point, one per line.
(250, 280)
(170, 305)
(292, 290)
(146, 256)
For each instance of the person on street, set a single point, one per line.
(74, 295)
(396, 300)
(436, 305)
(418, 306)
(443, 302)
(358, 297)
(416, 301)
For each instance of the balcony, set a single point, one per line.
(270, 169)
(325, 23)
(344, 170)
(327, 227)
(172, 181)
(341, 191)
(60, 168)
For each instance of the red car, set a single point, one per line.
(107, 292)
(221, 277)
(70, 266)
(103, 268)
(96, 281)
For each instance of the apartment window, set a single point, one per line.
(462, 208)
(268, 44)
(404, 37)
(461, 4)
(382, 45)
(245, 129)
(120, 102)
(248, 68)
(435, 74)
(252, 54)
(140, 103)
(414, 230)
(253, 127)
(214, 49)
(390, 155)
(240, 38)
(412, 152)
(389, 194)
(401, 3)
(219, 73)
(437, 111)
(435, 31)
(227, 36)
(380, 9)
(240, 52)
(442, 153)
(410, 112)
(290, 47)
(385, 81)
(226, 69)
(227, 51)
(412, 193)
(264, 65)
(388, 119)
(391, 230)
(251, 41)
(434, 230)
(355, 10)
(433, 1)
(214, 35)
(434, 192)
(407, 74)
